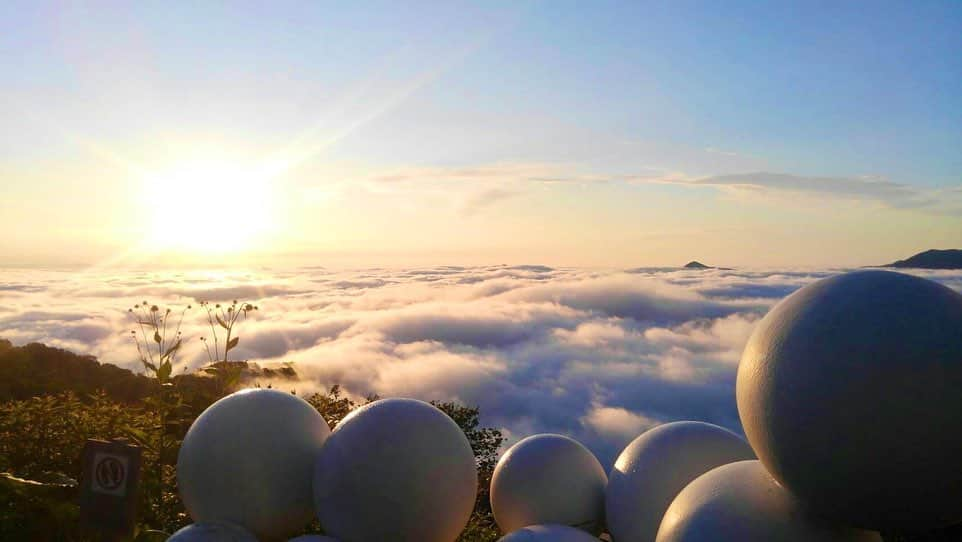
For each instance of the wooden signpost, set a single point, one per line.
(108, 487)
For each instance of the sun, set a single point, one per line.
(207, 207)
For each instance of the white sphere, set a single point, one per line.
(212, 531)
(396, 469)
(248, 459)
(548, 533)
(656, 466)
(741, 501)
(548, 479)
(850, 392)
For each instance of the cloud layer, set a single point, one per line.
(879, 190)
(598, 355)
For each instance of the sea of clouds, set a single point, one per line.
(600, 355)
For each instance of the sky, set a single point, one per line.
(600, 356)
(558, 133)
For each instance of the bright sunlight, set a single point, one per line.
(209, 207)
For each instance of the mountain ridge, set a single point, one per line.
(931, 259)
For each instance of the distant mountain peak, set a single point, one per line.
(694, 264)
(932, 259)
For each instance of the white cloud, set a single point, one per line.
(599, 355)
(617, 423)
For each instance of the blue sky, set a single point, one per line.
(621, 106)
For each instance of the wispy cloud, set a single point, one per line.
(714, 150)
(487, 184)
(485, 198)
(869, 189)
(501, 172)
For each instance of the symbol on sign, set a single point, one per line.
(108, 489)
(110, 473)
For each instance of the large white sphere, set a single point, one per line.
(248, 459)
(396, 469)
(741, 501)
(212, 531)
(850, 392)
(548, 479)
(548, 533)
(656, 466)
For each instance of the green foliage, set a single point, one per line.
(41, 438)
(35, 369)
(226, 375)
(46, 433)
(224, 318)
(333, 406)
(33, 510)
(485, 442)
(156, 348)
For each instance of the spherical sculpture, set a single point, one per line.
(248, 459)
(741, 501)
(548, 479)
(656, 466)
(850, 392)
(548, 533)
(213, 531)
(396, 469)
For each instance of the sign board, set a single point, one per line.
(108, 487)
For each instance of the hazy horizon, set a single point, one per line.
(354, 262)
(568, 134)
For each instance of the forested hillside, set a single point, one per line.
(53, 400)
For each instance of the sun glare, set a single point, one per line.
(207, 208)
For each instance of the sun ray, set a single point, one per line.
(306, 145)
(94, 148)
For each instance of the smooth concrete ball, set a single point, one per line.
(656, 466)
(212, 531)
(850, 392)
(248, 459)
(396, 469)
(546, 479)
(548, 533)
(741, 501)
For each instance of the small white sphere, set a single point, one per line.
(396, 469)
(248, 459)
(741, 501)
(849, 392)
(212, 531)
(548, 533)
(548, 479)
(656, 466)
